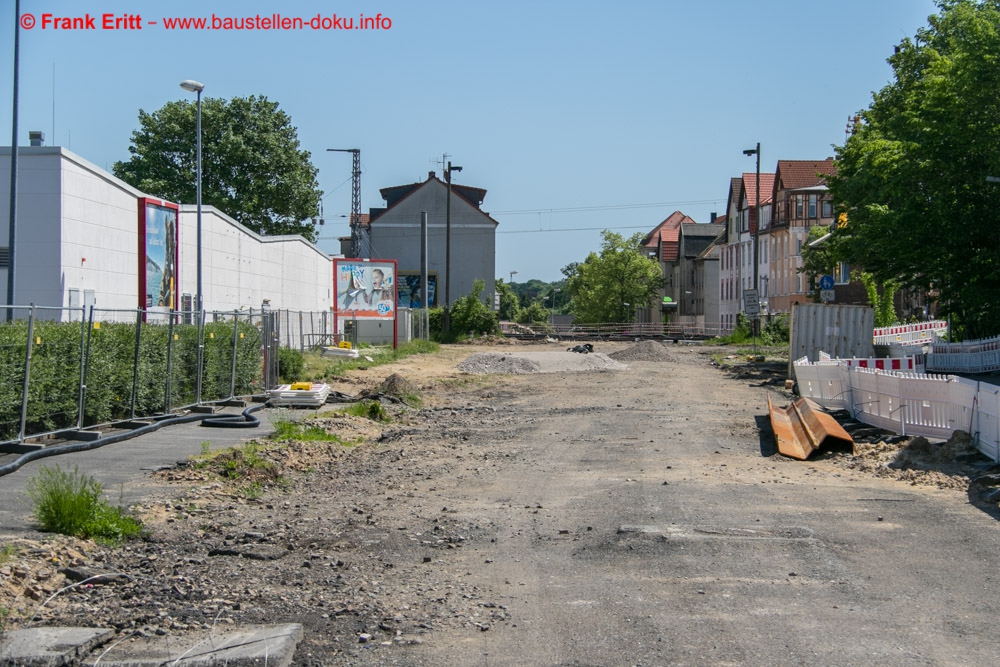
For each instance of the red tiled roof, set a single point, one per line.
(666, 236)
(363, 219)
(750, 186)
(794, 174)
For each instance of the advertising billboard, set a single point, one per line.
(157, 255)
(365, 290)
(410, 293)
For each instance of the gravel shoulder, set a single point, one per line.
(630, 516)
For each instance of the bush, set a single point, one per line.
(468, 315)
(69, 503)
(290, 364)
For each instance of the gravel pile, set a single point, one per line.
(481, 364)
(647, 350)
(539, 362)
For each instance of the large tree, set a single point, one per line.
(252, 167)
(912, 177)
(609, 286)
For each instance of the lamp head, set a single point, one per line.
(750, 151)
(192, 86)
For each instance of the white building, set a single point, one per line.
(79, 242)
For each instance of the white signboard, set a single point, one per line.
(751, 302)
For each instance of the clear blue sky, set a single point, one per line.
(622, 111)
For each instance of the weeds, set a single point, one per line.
(73, 504)
(317, 368)
(7, 553)
(285, 429)
(369, 410)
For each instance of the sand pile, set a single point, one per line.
(481, 364)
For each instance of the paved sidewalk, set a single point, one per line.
(119, 466)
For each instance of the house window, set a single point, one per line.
(812, 207)
(827, 208)
(842, 273)
(798, 247)
(798, 206)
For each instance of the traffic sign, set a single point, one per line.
(826, 283)
(826, 296)
(751, 302)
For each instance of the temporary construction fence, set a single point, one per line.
(933, 406)
(973, 356)
(64, 371)
(920, 333)
(913, 363)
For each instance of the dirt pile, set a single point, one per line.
(481, 364)
(396, 385)
(647, 350)
(917, 461)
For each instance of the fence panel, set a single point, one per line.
(987, 424)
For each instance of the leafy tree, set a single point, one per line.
(534, 312)
(608, 287)
(882, 298)
(469, 315)
(816, 261)
(912, 177)
(509, 304)
(252, 167)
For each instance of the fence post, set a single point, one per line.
(135, 361)
(83, 342)
(312, 329)
(27, 372)
(201, 355)
(232, 376)
(86, 367)
(170, 352)
(302, 345)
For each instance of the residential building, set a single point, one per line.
(737, 253)
(705, 283)
(695, 240)
(663, 245)
(393, 232)
(801, 200)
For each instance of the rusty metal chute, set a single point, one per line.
(801, 428)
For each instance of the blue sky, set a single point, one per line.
(575, 116)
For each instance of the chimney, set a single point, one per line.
(711, 217)
(430, 175)
(36, 137)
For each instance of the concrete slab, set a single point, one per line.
(271, 645)
(50, 647)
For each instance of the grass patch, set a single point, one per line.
(69, 503)
(317, 368)
(286, 429)
(369, 410)
(7, 553)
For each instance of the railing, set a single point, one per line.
(933, 406)
(62, 370)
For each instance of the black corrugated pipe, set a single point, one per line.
(244, 420)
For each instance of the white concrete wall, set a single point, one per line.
(78, 229)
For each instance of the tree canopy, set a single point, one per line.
(252, 167)
(609, 287)
(912, 177)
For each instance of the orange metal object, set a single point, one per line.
(801, 428)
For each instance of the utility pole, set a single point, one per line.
(447, 249)
(356, 233)
(13, 171)
(756, 228)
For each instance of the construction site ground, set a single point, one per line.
(545, 516)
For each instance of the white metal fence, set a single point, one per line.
(933, 406)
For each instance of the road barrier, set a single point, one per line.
(934, 406)
(921, 333)
(973, 356)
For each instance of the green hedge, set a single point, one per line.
(53, 389)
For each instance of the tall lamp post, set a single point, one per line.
(552, 313)
(756, 225)
(447, 249)
(196, 87)
(512, 274)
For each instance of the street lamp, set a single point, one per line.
(447, 249)
(756, 226)
(512, 274)
(552, 309)
(196, 87)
